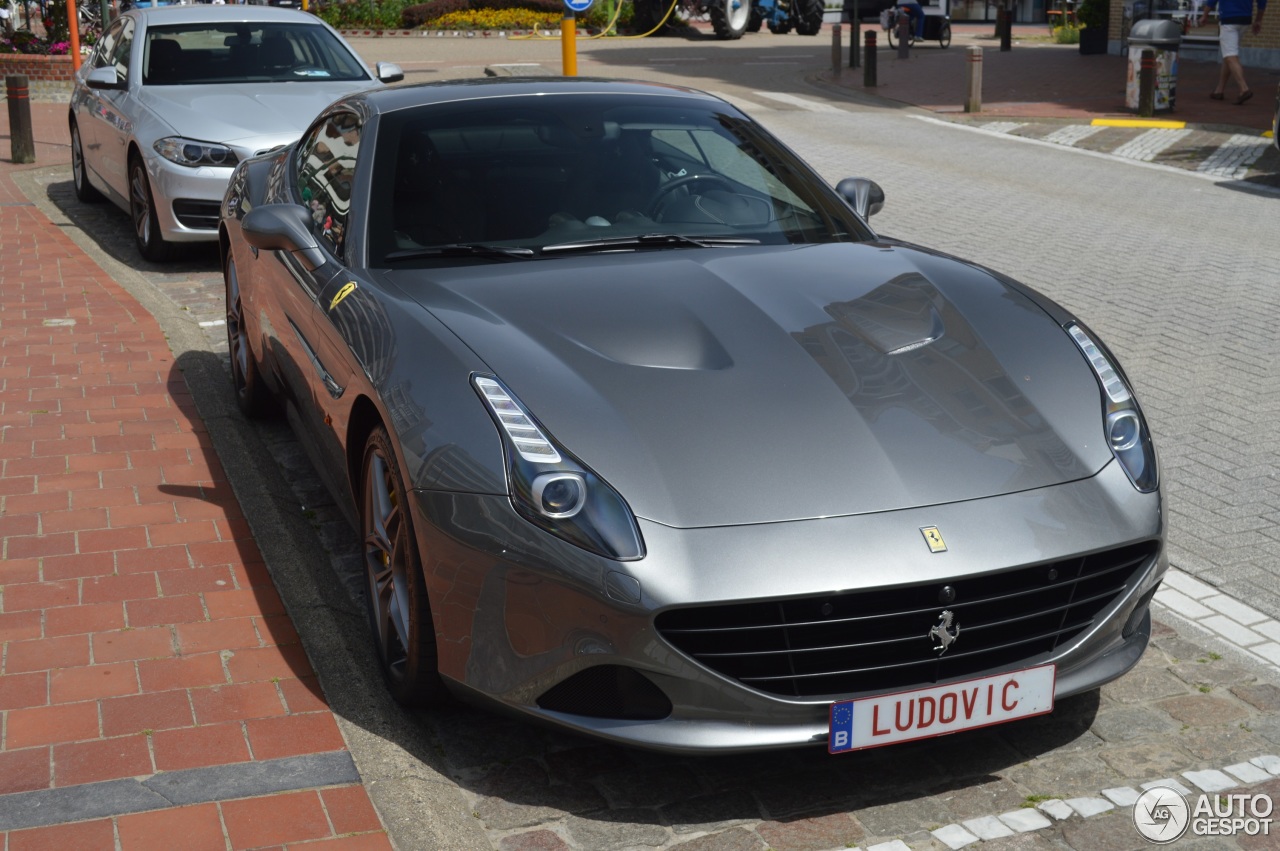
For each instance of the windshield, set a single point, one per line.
(571, 173)
(257, 52)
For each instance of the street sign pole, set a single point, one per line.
(569, 35)
(569, 43)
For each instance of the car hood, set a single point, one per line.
(728, 386)
(252, 116)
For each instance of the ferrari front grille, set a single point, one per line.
(881, 640)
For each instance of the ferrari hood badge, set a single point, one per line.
(933, 538)
(943, 632)
(347, 289)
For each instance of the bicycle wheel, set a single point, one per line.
(944, 37)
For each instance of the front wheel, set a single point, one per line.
(252, 397)
(395, 591)
(944, 36)
(142, 209)
(808, 15)
(729, 18)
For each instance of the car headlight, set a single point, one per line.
(555, 491)
(1125, 428)
(190, 152)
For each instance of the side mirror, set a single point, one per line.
(103, 78)
(389, 72)
(865, 196)
(283, 227)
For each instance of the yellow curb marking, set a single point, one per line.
(1139, 122)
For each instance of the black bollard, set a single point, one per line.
(1147, 84)
(22, 143)
(869, 61)
(904, 35)
(1006, 29)
(836, 64)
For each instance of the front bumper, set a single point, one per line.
(519, 613)
(188, 200)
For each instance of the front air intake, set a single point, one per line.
(608, 691)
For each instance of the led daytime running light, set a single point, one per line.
(527, 438)
(1115, 388)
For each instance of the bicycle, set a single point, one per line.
(936, 27)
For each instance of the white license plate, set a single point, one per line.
(938, 710)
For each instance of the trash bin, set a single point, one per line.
(1162, 37)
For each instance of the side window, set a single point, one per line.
(326, 171)
(114, 49)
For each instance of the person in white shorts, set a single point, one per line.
(1234, 17)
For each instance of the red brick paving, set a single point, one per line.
(120, 600)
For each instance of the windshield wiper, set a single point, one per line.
(648, 240)
(461, 249)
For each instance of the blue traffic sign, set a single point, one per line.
(578, 5)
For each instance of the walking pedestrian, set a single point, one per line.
(1234, 17)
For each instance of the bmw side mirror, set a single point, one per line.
(283, 227)
(103, 78)
(389, 72)
(865, 196)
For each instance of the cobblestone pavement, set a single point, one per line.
(1214, 154)
(1201, 712)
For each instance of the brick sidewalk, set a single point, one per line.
(151, 685)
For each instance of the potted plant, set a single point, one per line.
(1093, 16)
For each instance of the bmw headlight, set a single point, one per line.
(552, 490)
(190, 152)
(1125, 428)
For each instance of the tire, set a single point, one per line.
(142, 209)
(944, 36)
(646, 14)
(891, 36)
(395, 591)
(79, 172)
(808, 15)
(755, 22)
(252, 397)
(780, 27)
(729, 18)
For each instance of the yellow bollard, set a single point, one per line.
(569, 43)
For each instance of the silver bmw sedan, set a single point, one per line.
(173, 97)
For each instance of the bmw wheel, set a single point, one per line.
(395, 592)
(251, 396)
(142, 209)
(79, 173)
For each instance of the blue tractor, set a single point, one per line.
(731, 18)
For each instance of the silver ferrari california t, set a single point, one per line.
(648, 435)
(172, 98)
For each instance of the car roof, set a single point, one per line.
(394, 98)
(203, 13)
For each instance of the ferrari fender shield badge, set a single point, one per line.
(932, 537)
(347, 289)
